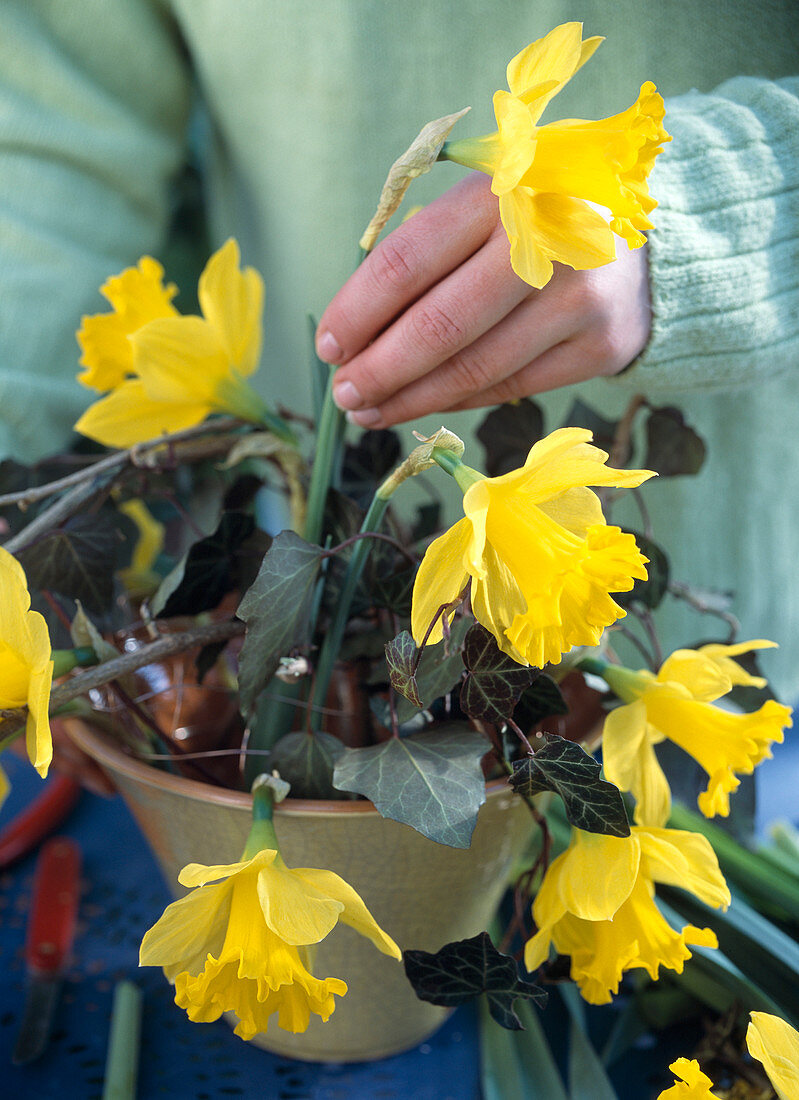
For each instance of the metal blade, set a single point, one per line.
(37, 1019)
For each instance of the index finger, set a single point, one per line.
(408, 262)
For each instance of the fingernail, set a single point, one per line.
(366, 418)
(329, 348)
(347, 396)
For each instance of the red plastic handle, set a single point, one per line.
(54, 906)
(41, 817)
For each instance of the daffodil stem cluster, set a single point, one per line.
(335, 633)
(262, 833)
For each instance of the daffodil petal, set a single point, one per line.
(776, 1044)
(294, 908)
(354, 912)
(188, 928)
(703, 677)
(232, 303)
(630, 763)
(686, 860)
(441, 578)
(594, 896)
(128, 415)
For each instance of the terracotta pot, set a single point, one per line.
(422, 893)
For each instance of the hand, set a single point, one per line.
(435, 318)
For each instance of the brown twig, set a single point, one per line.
(167, 646)
(622, 438)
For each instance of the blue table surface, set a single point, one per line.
(122, 895)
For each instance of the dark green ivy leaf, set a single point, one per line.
(651, 591)
(562, 766)
(541, 700)
(432, 782)
(208, 572)
(495, 680)
(306, 761)
(673, 448)
(439, 670)
(508, 433)
(401, 654)
(78, 560)
(466, 969)
(277, 611)
(604, 431)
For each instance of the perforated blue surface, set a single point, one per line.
(123, 894)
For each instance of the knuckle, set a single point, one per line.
(395, 263)
(436, 329)
(606, 346)
(470, 372)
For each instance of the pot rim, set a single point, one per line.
(101, 747)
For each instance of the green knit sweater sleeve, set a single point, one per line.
(724, 256)
(93, 106)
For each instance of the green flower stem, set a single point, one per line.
(262, 834)
(452, 464)
(332, 643)
(122, 1063)
(237, 396)
(592, 665)
(64, 660)
(328, 448)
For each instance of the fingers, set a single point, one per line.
(432, 334)
(410, 260)
(483, 366)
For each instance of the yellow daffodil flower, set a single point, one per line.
(239, 945)
(776, 1044)
(693, 1084)
(138, 295)
(597, 905)
(26, 667)
(168, 372)
(548, 177)
(677, 704)
(769, 1039)
(541, 559)
(139, 578)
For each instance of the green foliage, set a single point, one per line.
(277, 610)
(78, 559)
(432, 782)
(541, 700)
(495, 680)
(651, 591)
(401, 656)
(562, 766)
(439, 669)
(306, 761)
(673, 447)
(508, 433)
(467, 969)
(210, 570)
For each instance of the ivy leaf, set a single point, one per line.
(562, 766)
(207, 573)
(495, 681)
(439, 670)
(467, 969)
(78, 560)
(604, 431)
(651, 591)
(401, 654)
(508, 433)
(277, 611)
(673, 448)
(432, 782)
(541, 700)
(306, 762)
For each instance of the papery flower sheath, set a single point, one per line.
(239, 945)
(167, 372)
(693, 1083)
(547, 177)
(676, 704)
(776, 1044)
(541, 559)
(596, 904)
(26, 667)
